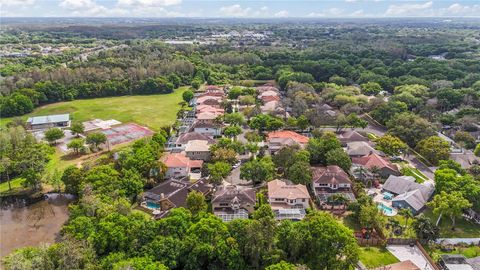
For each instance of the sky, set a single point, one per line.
(241, 8)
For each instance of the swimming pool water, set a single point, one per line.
(385, 209)
(152, 205)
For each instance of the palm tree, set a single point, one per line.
(407, 214)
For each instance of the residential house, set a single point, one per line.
(49, 121)
(410, 195)
(172, 193)
(198, 150)
(288, 201)
(207, 129)
(351, 136)
(178, 165)
(204, 98)
(359, 149)
(207, 117)
(375, 162)
(331, 180)
(278, 139)
(232, 202)
(208, 108)
(179, 143)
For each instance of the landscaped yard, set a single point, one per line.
(463, 228)
(373, 257)
(153, 111)
(16, 185)
(410, 171)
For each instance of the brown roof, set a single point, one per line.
(175, 160)
(176, 191)
(331, 174)
(352, 136)
(203, 125)
(288, 134)
(280, 189)
(190, 136)
(228, 193)
(267, 99)
(374, 160)
(405, 265)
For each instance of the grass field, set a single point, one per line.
(153, 111)
(410, 171)
(373, 257)
(16, 185)
(463, 228)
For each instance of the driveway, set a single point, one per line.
(413, 254)
(234, 178)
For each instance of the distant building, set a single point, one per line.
(171, 194)
(232, 202)
(351, 136)
(331, 180)
(178, 165)
(454, 262)
(49, 121)
(374, 161)
(207, 129)
(198, 149)
(288, 201)
(410, 195)
(278, 139)
(360, 148)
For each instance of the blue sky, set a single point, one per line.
(240, 8)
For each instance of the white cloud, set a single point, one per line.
(90, 8)
(461, 10)
(316, 14)
(358, 13)
(335, 11)
(410, 10)
(281, 14)
(16, 2)
(234, 11)
(149, 3)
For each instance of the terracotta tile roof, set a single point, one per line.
(405, 265)
(288, 134)
(204, 98)
(374, 160)
(280, 189)
(267, 99)
(176, 160)
(208, 115)
(331, 174)
(207, 108)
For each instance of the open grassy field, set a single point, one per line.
(16, 185)
(373, 257)
(463, 228)
(153, 111)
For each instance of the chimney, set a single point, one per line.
(162, 196)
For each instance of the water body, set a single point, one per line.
(24, 222)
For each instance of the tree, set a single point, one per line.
(477, 150)
(196, 202)
(386, 111)
(302, 122)
(218, 171)
(224, 154)
(54, 134)
(283, 265)
(338, 157)
(410, 128)
(465, 139)
(434, 149)
(407, 214)
(5, 167)
(77, 129)
(232, 131)
(425, 229)
(390, 145)
(72, 178)
(96, 139)
(234, 118)
(354, 121)
(258, 170)
(318, 147)
(371, 88)
(299, 172)
(301, 241)
(450, 204)
(253, 148)
(235, 92)
(188, 95)
(77, 145)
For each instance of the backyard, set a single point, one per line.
(463, 228)
(373, 257)
(153, 111)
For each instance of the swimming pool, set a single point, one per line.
(387, 211)
(152, 205)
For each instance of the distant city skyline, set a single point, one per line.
(240, 8)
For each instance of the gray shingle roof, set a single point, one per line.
(46, 119)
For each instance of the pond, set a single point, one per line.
(24, 222)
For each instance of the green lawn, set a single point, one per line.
(16, 185)
(153, 111)
(373, 257)
(410, 171)
(463, 228)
